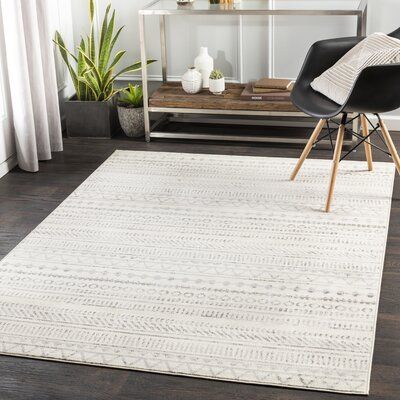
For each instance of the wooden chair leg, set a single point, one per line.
(390, 144)
(308, 148)
(368, 149)
(335, 165)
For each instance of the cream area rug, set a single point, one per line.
(207, 266)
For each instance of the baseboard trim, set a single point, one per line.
(7, 165)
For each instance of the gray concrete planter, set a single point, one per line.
(131, 120)
(94, 119)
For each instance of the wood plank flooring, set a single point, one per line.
(26, 199)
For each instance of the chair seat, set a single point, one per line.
(313, 103)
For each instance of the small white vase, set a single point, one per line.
(217, 86)
(192, 81)
(204, 63)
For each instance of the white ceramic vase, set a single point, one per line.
(217, 86)
(204, 63)
(192, 81)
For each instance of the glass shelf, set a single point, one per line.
(272, 7)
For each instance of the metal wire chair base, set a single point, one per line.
(362, 139)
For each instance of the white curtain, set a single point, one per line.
(32, 80)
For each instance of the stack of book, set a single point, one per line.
(268, 89)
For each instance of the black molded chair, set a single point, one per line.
(376, 90)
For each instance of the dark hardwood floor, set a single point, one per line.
(26, 199)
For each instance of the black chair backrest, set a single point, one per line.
(395, 34)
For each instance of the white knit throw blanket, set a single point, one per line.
(336, 83)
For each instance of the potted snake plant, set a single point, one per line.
(91, 112)
(130, 111)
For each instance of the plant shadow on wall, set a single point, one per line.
(91, 112)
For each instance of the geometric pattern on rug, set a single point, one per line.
(207, 266)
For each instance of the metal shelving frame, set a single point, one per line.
(155, 9)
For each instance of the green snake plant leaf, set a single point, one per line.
(131, 68)
(92, 49)
(58, 40)
(88, 45)
(107, 83)
(65, 56)
(92, 46)
(86, 93)
(82, 66)
(93, 67)
(116, 60)
(104, 56)
(104, 27)
(93, 81)
(134, 67)
(113, 93)
(91, 10)
(88, 79)
(115, 38)
(75, 81)
(81, 58)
